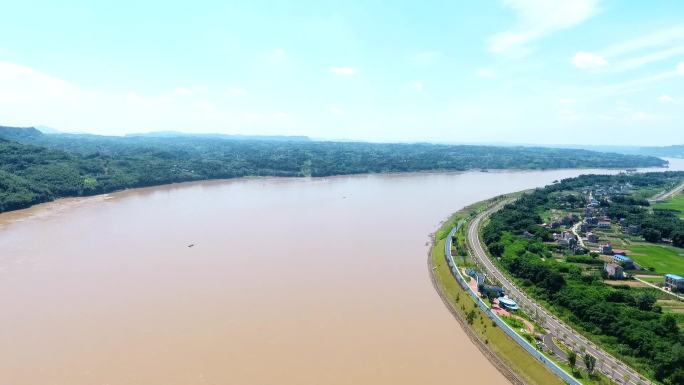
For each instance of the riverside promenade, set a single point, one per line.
(538, 355)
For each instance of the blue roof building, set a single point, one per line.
(674, 282)
(624, 260)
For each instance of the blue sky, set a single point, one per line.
(517, 71)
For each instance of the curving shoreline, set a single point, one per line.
(510, 359)
(181, 183)
(491, 356)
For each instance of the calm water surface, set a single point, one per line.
(290, 281)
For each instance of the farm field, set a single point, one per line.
(656, 279)
(660, 258)
(676, 203)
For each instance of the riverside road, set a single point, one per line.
(607, 364)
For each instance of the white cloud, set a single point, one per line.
(653, 57)
(637, 52)
(666, 99)
(417, 86)
(21, 83)
(29, 97)
(537, 19)
(588, 60)
(680, 68)
(665, 37)
(347, 71)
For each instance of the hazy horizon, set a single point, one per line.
(583, 72)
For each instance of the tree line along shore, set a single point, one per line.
(37, 167)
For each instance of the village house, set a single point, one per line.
(593, 238)
(674, 282)
(604, 224)
(607, 249)
(614, 271)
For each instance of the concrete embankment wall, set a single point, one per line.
(499, 322)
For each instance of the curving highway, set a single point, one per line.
(620, 372)
(668, 194)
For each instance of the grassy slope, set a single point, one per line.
(675, 203)
(528, 368)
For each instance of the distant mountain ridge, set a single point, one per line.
(18, 133)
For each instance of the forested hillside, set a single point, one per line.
(36, 167)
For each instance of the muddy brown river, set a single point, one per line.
(288, 281)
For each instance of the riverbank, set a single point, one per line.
(506, 355)
(85, 193)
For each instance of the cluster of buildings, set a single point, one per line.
(616, 268)
(593, 220)
(566, 220)
(566, 238)
(600, 191)
(619, 262)
(494, 291)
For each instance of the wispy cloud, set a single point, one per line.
(537, 19)
(347, 71)
(665, 99)
(588, 60)
(29, 96)
(664, 37)
(18, 83)
(653, 57)
(622, 88)
(638, 52)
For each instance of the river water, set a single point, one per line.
(289, 281)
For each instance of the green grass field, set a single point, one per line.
(652, 278)
(673, 307)
(676, 203)
(661, 258)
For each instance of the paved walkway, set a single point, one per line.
(660, 288)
